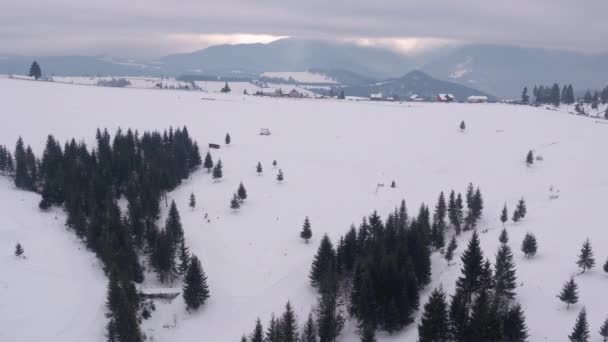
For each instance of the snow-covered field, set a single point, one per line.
(333, 154)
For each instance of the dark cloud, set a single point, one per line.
(149, 27)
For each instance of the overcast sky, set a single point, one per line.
(152, 28)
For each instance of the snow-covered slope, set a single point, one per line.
(55, 293)
(333, 154)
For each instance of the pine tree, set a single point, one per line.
(227, 139)
(195, 291)
(306, 232)
(235, 203)
(241, 192)
(35, 70)
(569, 293)
(580, 333)
(324, 262)
(452, 208)
(280, 175)
(514, 325)
(18, 250)
(208, 163)
(462, 126)
(192, 202)
(530, 158)
(309, 334)
(604, 330)
(585, 259)
(529, 246)
(504, 273)
(393, 184)
(274, 163)
(504, 237)
(173, 225)
(258, 332)
(184, 258)
(459, 213)
(243, 338)
(258, 168)
(433, 325)
(289, 325)
(217, 171)
(504, 216)
(449, 253)
(606, 266)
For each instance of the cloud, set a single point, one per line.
(157, 27)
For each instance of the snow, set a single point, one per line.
(300, 76)
(57, 293)
(333, 154)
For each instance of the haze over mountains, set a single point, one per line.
(493, 69)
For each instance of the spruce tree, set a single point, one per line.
(433, 325)
(280, 176)
(514, 325)
(258, 168)
(569, 293)
(173, 225)
(504, 216)
(192, 202)
(368, 333)
(324, 262)
(525, 98)
(329, 318)
(195, 290)
(606, 266)
(241, 192)
(504, 237)
(529, 246)
(449, 253)
(235, 202)
(530, 158)
(208, 163)
(604, 330)
(227, 139)
(472, 262)
(273, 333)
(580, 333)
(309, 334)
(306, 232)
(274, 163)
(289, 325)
(462, 126)
(184, 258)
(459, 213)
(585, 259)
(217, 171)
(258, 332)
(504, 273)
(18, 250)
(35, 70)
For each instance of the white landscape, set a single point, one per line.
(333, 154)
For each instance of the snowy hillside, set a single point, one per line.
(333, 154)
(300, 76)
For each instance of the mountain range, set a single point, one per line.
(493, 69)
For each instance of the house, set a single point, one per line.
(376, 97)
(416, 98)
(445, 98)
(477, 99)
(294, 93)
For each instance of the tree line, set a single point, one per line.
(87, 183)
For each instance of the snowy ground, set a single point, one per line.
(333, 154)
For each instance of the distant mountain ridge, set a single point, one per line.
(494, 69)
(416, 83)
